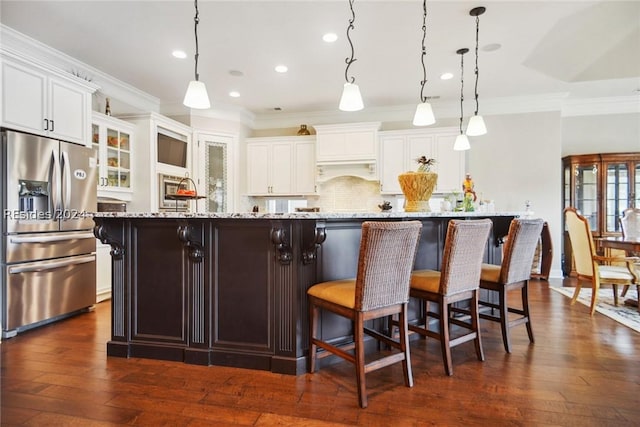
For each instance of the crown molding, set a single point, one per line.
(601, 106)
(221, 111)
(37, 51)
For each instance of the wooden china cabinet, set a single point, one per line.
(600, 186)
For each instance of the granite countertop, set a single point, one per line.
(304, 215)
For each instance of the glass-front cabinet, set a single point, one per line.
(213, 169)
(600, 187)
(112, 140)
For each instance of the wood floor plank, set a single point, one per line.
(582, 371)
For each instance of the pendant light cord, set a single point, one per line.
(424, 51)
(351, 60)
(196, 20)
(477, 70)
(461, 89)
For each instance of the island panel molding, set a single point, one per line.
(236, 303)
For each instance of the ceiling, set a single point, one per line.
(585, 49)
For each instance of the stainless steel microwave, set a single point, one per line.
(168, 185)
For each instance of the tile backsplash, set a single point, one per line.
(341, 194)
(347, 194)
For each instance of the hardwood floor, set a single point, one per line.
(582, 371)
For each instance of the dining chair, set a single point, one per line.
(458, 280)
(630, 227)
(379, 290)
(512, 274)
(588, 263)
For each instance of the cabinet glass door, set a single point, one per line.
(586, 193)
(636, 192)
(567, 187)
(616, 194)
(216, 176)
(118, 159)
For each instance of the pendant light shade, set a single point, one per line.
(196, 96)
(424, 113)
(476, 125)
(462, 142)
(351, 100)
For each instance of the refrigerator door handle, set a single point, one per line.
(66, 180)
(54, 200)
(50, 265)
(47, 239)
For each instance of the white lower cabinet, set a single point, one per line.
(103, 271)
(280, 166)
(399, 151)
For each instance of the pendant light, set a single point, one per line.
(351, 100)
(476, 124)
(424, 112)
(196, 96)
(462, 142)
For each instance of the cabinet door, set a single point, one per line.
(450, 164)
(418, 146)
(281, 168)
(103, 271)
(67, 112)
(23, 98)
(258, 169)
(392, 163)
(304, 178)
(360, 145)
(586, 194)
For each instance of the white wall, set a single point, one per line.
(519, 159)
(611, 133)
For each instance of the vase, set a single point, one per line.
(417, 188)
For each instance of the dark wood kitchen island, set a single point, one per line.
(230, 289)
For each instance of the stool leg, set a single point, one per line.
(504, 319)
(525, 308)
(444, 337)
(313, 320)
(358, 338)
(475, 325)
(404, 346)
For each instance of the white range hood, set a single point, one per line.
(347, 150)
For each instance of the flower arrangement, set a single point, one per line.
(424, 164)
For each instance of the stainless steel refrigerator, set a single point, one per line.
(48, 249)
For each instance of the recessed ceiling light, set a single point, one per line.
(491, 47)
(330, 37)
(180, 54)
(446, 76)
(234, 94)
(282, 68)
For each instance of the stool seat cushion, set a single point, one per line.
(490, 273)
(425, 280)
(341, 292)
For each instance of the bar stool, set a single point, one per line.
(513, 274)
(458, 280)
(380, 289)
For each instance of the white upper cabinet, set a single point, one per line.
(347, 143)
(400, 149)
(45, 102)
(278, 166)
